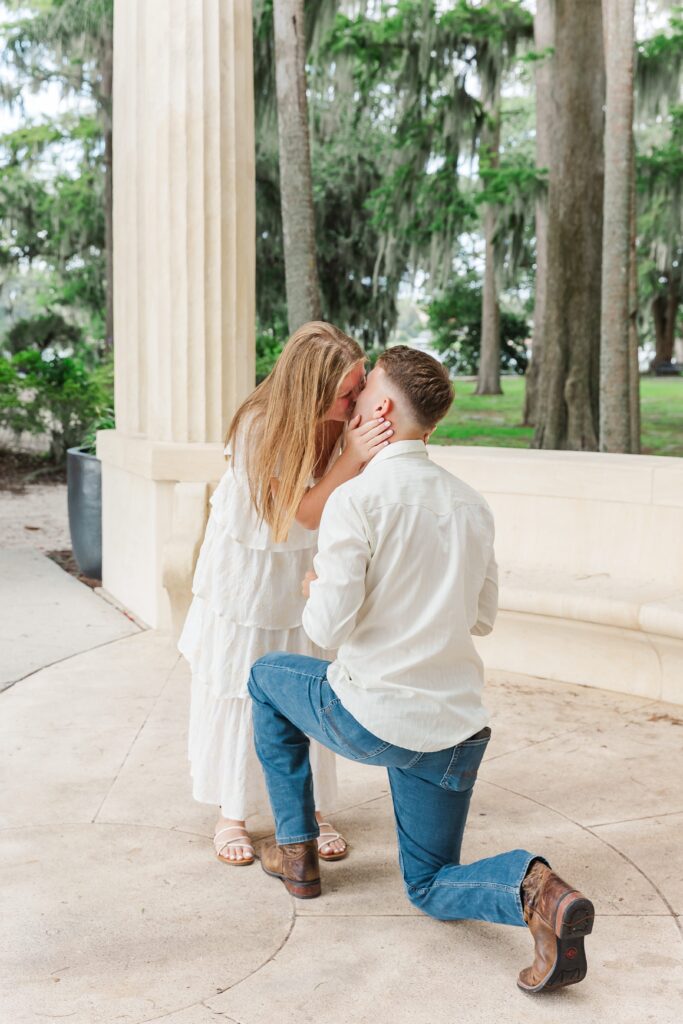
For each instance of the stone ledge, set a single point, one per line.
(175, 461)
(598, 598)
(586, 653)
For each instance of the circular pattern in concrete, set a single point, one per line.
(122, 923)
(114, 910)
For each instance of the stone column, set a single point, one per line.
(184, 285)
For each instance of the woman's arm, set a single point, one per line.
(362, 443)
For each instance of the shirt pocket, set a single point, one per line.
(462, 770)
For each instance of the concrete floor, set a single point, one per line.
(115, 910)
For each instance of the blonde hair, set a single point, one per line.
(283, 413)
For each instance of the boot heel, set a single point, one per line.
(570, 966)
(577, 921)
(303, 890)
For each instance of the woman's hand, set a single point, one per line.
(363, 441)
(306, 584)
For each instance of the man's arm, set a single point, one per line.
(341, 564)
(488, 601)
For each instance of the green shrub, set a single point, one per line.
(45, 330)
(269, 344)
(57, 396)
(455, 323)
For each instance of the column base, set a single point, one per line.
(154, 511)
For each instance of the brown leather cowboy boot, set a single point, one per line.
(296, 864)
(558, 918)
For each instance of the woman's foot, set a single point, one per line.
(331, 844)
(232, 843)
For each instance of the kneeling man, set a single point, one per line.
(405, 574)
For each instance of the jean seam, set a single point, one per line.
(451, 763)
(518, 892)
(500, 886)
(295, 672)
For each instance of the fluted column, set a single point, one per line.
(184, 269)
(183, 215)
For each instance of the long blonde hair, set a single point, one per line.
(283, 413)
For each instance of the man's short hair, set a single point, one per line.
(422, 380)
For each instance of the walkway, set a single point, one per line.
(114, 910)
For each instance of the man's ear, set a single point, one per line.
(383, 407)
(428, 434)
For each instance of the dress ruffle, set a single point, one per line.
(225, 769)
(247, 602)
(251, 587)
(221, 651)
(232, 509)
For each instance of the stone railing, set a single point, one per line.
(590, 549)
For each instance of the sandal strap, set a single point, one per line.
(240, 840)
(329, 836)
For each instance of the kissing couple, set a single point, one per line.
(372, 658)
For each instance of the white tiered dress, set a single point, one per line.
(247, 602)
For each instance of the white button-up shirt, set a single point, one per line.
(406, 573)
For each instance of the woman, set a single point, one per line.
(290, 444)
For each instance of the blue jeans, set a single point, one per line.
(431, 792)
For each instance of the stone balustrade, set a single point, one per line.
(590, 549)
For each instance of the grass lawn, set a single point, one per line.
(495, 420)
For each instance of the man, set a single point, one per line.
(405, 575)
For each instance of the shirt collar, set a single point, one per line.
(416, 447)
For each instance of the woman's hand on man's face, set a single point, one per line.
(364, 440)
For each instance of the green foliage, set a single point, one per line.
(269, 343)
(417, 68)
(348, 163)
(46, 330)
(659, 66)
(659, 173)
(43, 393)
(347, 169)
(56, 219)
(52, 174)
(60, 41)
(455, 323)
(497, 420)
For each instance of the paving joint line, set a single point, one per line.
(75, 654)
(600, 839)
(205, 1000)
(625, 821)
(137, 735)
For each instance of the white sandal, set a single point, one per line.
(238, 840)
(330, 836)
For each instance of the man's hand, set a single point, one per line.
(363, 440)
(306, 584)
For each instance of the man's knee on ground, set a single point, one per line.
(419, 892)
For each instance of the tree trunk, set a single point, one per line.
(488, 379)
(672, 303)
(298, 222)
(659, 304)
(106, 107)
(615, 361)
(544, 37)
(634, 375)
(664, 313)
(568, 407)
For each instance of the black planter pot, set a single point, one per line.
(84, 490)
